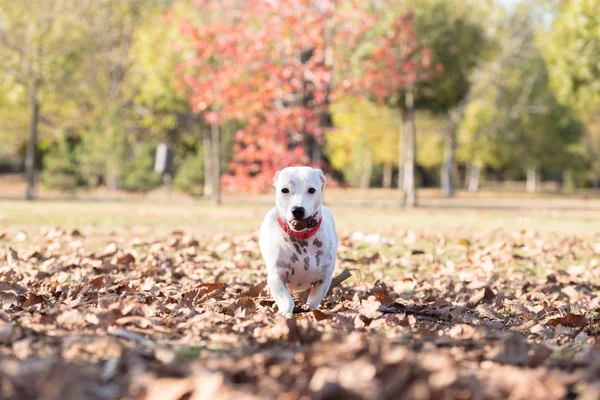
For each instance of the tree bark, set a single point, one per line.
(474, 174)
(208, 162)
(401, 150)
(533, 180)
(410, 193)
(449, 150)
(316, 152)
(387, 175)
(365, 179)
(216, 162)
(32, 145)
(467, 177)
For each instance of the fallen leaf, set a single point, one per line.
(125, 259)
(110, 250)
(569, 320)
(464, 243)
(13, 258)
(245, 304)
(483, 295)
(97, 281)
(370, 308)
(321, 315)
(382, 293)
(541, 354)
(8, 298)
(33, 299)
(255, 290)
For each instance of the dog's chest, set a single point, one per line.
(303, 263)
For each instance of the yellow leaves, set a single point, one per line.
(572, 54)
(360, 122)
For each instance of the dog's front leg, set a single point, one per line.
(280, 293)
(318, 292)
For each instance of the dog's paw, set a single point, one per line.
(286, 310)
(311, 306)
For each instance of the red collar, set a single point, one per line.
(302, 235)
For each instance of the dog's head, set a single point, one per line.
(299, 192)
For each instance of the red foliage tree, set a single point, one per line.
(271, 63)
(396, 61)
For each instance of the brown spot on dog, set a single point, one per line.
(306, 263)
(318, 243)
(295, 258)
(282, 265)
(318, 257)
(293, 271)
(297, 247)
(301, 243)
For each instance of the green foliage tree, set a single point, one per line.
(61, 168)
(101, 155)
(460, 37)
(479, 141)
(40, 48)
(190, 174)
(159, 99)
(138, 173)
(515, 120)
(573, 56)
(132, 92)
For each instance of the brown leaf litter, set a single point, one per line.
(493, 316)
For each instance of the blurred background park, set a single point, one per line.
(423, 99)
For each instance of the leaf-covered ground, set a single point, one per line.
(494, 315)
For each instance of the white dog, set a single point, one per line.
(297, 238)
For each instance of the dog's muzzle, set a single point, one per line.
(305, 223)
(301, 228)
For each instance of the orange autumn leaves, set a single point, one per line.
(109, 315)
(277, 66)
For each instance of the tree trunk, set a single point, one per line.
(401, 150)
(34, 114)
(533, 180)
(467, 177)
(316, 153)
(367, 170)
(410, 193)
(474, 173)
(216, 162)
(387, 175)
(208, 162)
(449, 149)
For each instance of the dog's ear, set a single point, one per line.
(322, 178)
(275, 178)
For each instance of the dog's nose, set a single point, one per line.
(298, 212)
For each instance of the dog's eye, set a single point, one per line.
(311, 190)
(285, 190)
